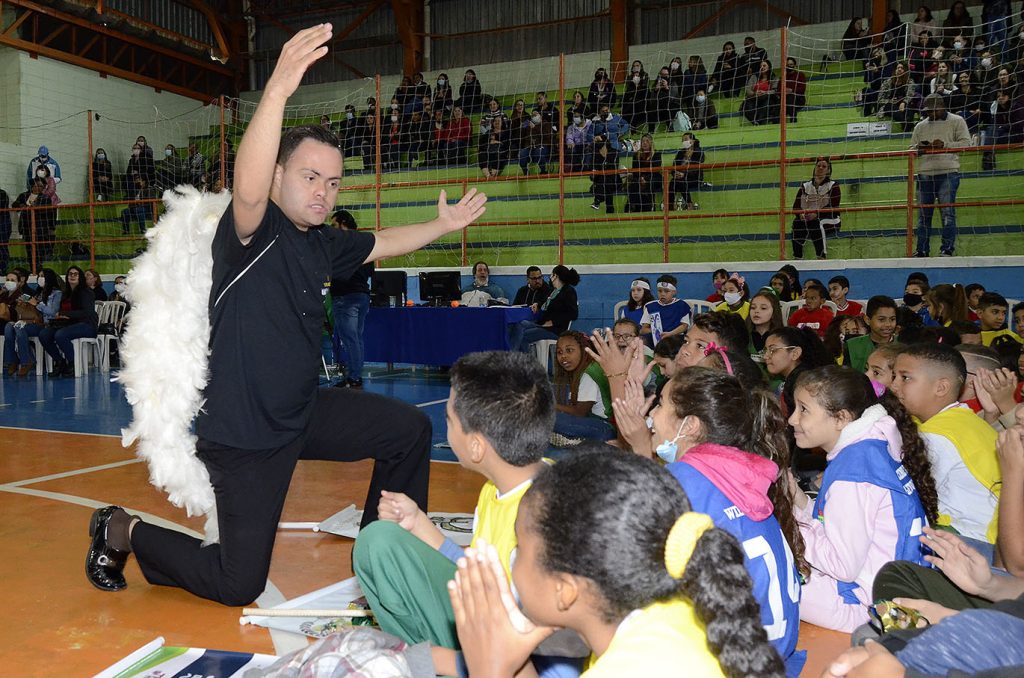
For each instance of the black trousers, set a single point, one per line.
(250, 488)
(804, 230)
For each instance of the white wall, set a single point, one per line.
(43, 102)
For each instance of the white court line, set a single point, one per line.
(70, 398)
(38, 401)
(432, 402)
(68, 474)
(50, 430)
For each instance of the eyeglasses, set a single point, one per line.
(534, 277)
(624, 337)
(769, 351)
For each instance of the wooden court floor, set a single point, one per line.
(59, 625)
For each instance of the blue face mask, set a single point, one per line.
(669, 450)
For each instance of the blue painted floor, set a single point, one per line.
(93, 404)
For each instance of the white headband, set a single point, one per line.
(666, 286)
(641, 284)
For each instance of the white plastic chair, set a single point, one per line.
(1009, 315)
(544, 348)
(617, 312)
(115, 311)
(81, 344)
(44, 363)
(698, 306)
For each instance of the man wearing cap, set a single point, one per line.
(42, 159)
(938, 174)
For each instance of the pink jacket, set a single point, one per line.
(858, 534)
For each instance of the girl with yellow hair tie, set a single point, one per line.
(609, 548)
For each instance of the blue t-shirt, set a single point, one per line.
(665, 318)
(766, 555)
(636, 316)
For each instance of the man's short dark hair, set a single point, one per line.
(819, 288)
(840, 280)
(731, 331)
(670, 279)
(943, 356)
(992, 299)
(532, 269)
(505, 396)
(878, 302)
(345, 219)
(296, 135)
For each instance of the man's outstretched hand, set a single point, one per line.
(463, 213)
(297, 55)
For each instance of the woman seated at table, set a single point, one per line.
(556, 315)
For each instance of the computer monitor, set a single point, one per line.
(440, 287)
(388, 288)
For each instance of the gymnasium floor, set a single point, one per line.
(61, 458)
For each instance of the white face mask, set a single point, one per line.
(701, 98)
(536, 119)
(120, 288)
(42, 282)
(101, 156)
(41, 174)
(11, 285)
(636, 79)
(394, 118)
(958, 45)
(668, 450)
(168, 152)
(350, 115)
(394, 107)
(135, 152)
(441, 82)
(577, 119)
(674, 66)
(732, 297)
(986, 62)
(687, 144)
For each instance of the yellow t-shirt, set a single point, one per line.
(495, 519)
(988, 336)
(660, 639)
(743, 311)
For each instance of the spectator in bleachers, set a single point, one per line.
(43, 159)
(894, 38)
(76, 319)
(170, 170)
(898, 98)
(453, 139)
(417, 134)
(147, 150)
(639, 296)
(442, 99)
(549, 112)
(796, 90)
(795, 287)
(973, 292)
(325, 122)
(579, 148)
(602, 91)
(15, 285)
(43, 172)
(923, 21)
(605, 180)
(641, 187)
(392, 142)
(782, 286)
(856, 41)
(95, 283)
(958, 22)
(986, 73)
(471, 93)
(366, 141)
(579, 107)
(537, 143)
(944, 81)
(1006, 81)
(938, 174)
(675, 79)
(966, 102)
(139, 165)
(821, 195)
(718, 278)
(838, 289)
(102, 176)
(609, 127)
(761, 104)
(752, 56)
(727, 78)
(868, 96)
(6, 228)
(736, 296)
(661, 108)
(349, 132)
(703, 114)
(920, 57)
(814, 314)
(39, 225)
(668, 314)
(534, 292)
(959, 55)
(494, 150)
(518, 126)
(120, 287)
(694, 78)
(687, 175)
(138, 211)
(419, 90)
(487, 117)
(1007, 116)
(634, 99)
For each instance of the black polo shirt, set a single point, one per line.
(266, 316)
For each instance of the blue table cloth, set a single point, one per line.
(437, 336)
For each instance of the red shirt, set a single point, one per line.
(852, 309)
(715, 298)
(816, 320)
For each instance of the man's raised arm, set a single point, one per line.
(399, 240)
(257, 152)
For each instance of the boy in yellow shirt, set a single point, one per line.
(961, 445)
(500, 415)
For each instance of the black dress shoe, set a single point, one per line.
(104, 565)
(58, 368)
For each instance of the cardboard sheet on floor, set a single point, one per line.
(154, 660)
(333, 597)
(345, 523)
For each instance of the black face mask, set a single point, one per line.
(912, 299)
